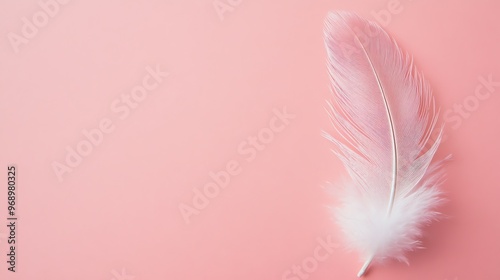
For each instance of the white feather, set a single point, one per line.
(385, 116)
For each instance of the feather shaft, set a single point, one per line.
(391, 126)
(384, 114)
(365, 266)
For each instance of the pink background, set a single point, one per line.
(116, 215)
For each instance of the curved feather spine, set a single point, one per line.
(385, 114)
(393, 142)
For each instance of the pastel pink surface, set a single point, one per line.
(119, 209)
